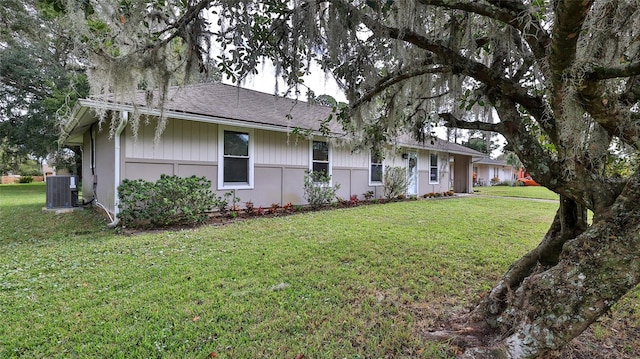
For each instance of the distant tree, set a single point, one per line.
(481, 143)
(512, 159)
(326, 100)
(39, 78)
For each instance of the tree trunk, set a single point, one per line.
(570, 221)
(557, 290)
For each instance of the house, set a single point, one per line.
(256, 144)
(489, 172)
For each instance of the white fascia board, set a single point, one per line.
(76, 114)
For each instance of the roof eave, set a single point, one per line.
(180, 115)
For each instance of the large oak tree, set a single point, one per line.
(39, 80)
(560, 78)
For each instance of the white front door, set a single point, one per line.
(412, 174)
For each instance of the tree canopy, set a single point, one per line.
(39, 80)
(561, 76)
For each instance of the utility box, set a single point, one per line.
(62, 191)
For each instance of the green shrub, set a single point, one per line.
(503, 183)
(169, 201)
(25, 179)
(394, 182)
(228, 201)
(317, 190)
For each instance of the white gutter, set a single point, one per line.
(124, 119)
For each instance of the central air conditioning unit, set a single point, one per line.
(62, 191)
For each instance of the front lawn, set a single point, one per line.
(349, 283)
(538, 192)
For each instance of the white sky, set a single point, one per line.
(317, 81)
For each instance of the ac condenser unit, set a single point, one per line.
(62, 191)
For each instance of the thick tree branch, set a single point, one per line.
(452, 121)
(603, 73)
(397, 77)
(508, 12)
(606, 110)
(183, 22)
(570, 16)
(631, 94)
(461, 64)
(545, 170)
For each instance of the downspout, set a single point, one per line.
(124, 119)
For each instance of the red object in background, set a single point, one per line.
(526, 179)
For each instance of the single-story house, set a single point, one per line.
(489, 172)
(256, 144)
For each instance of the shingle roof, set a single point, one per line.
(217, 102)
(210, 102)
(489, 161)
(236, 103)
(437, 144)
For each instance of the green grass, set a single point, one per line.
(517, 191)
(348, 283)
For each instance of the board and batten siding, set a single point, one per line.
(181, 140)
(343, 157)
(280, 148)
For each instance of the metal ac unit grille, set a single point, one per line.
(62, 191)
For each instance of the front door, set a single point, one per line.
(412, 174)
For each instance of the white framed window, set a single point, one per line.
(235, 158)
(320, 157)
(376, 169)
(434, 176)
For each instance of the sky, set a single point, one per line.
(317, 81)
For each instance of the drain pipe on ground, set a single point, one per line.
(124, 119)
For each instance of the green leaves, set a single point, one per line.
(317, 189)
(169, 201)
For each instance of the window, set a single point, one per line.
(433, 168)
(496, 172)
(320, 157)
(235, 167)
(375, 169)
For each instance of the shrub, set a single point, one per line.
(353, 200)
(368, 195)
(504, 183)
(317, 190)
(275, 207)
(394, 182)
(25, 179)
(249, 208)
(227, 201)
(171, 200)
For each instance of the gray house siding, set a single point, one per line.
(192, 144)
(98, 172)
